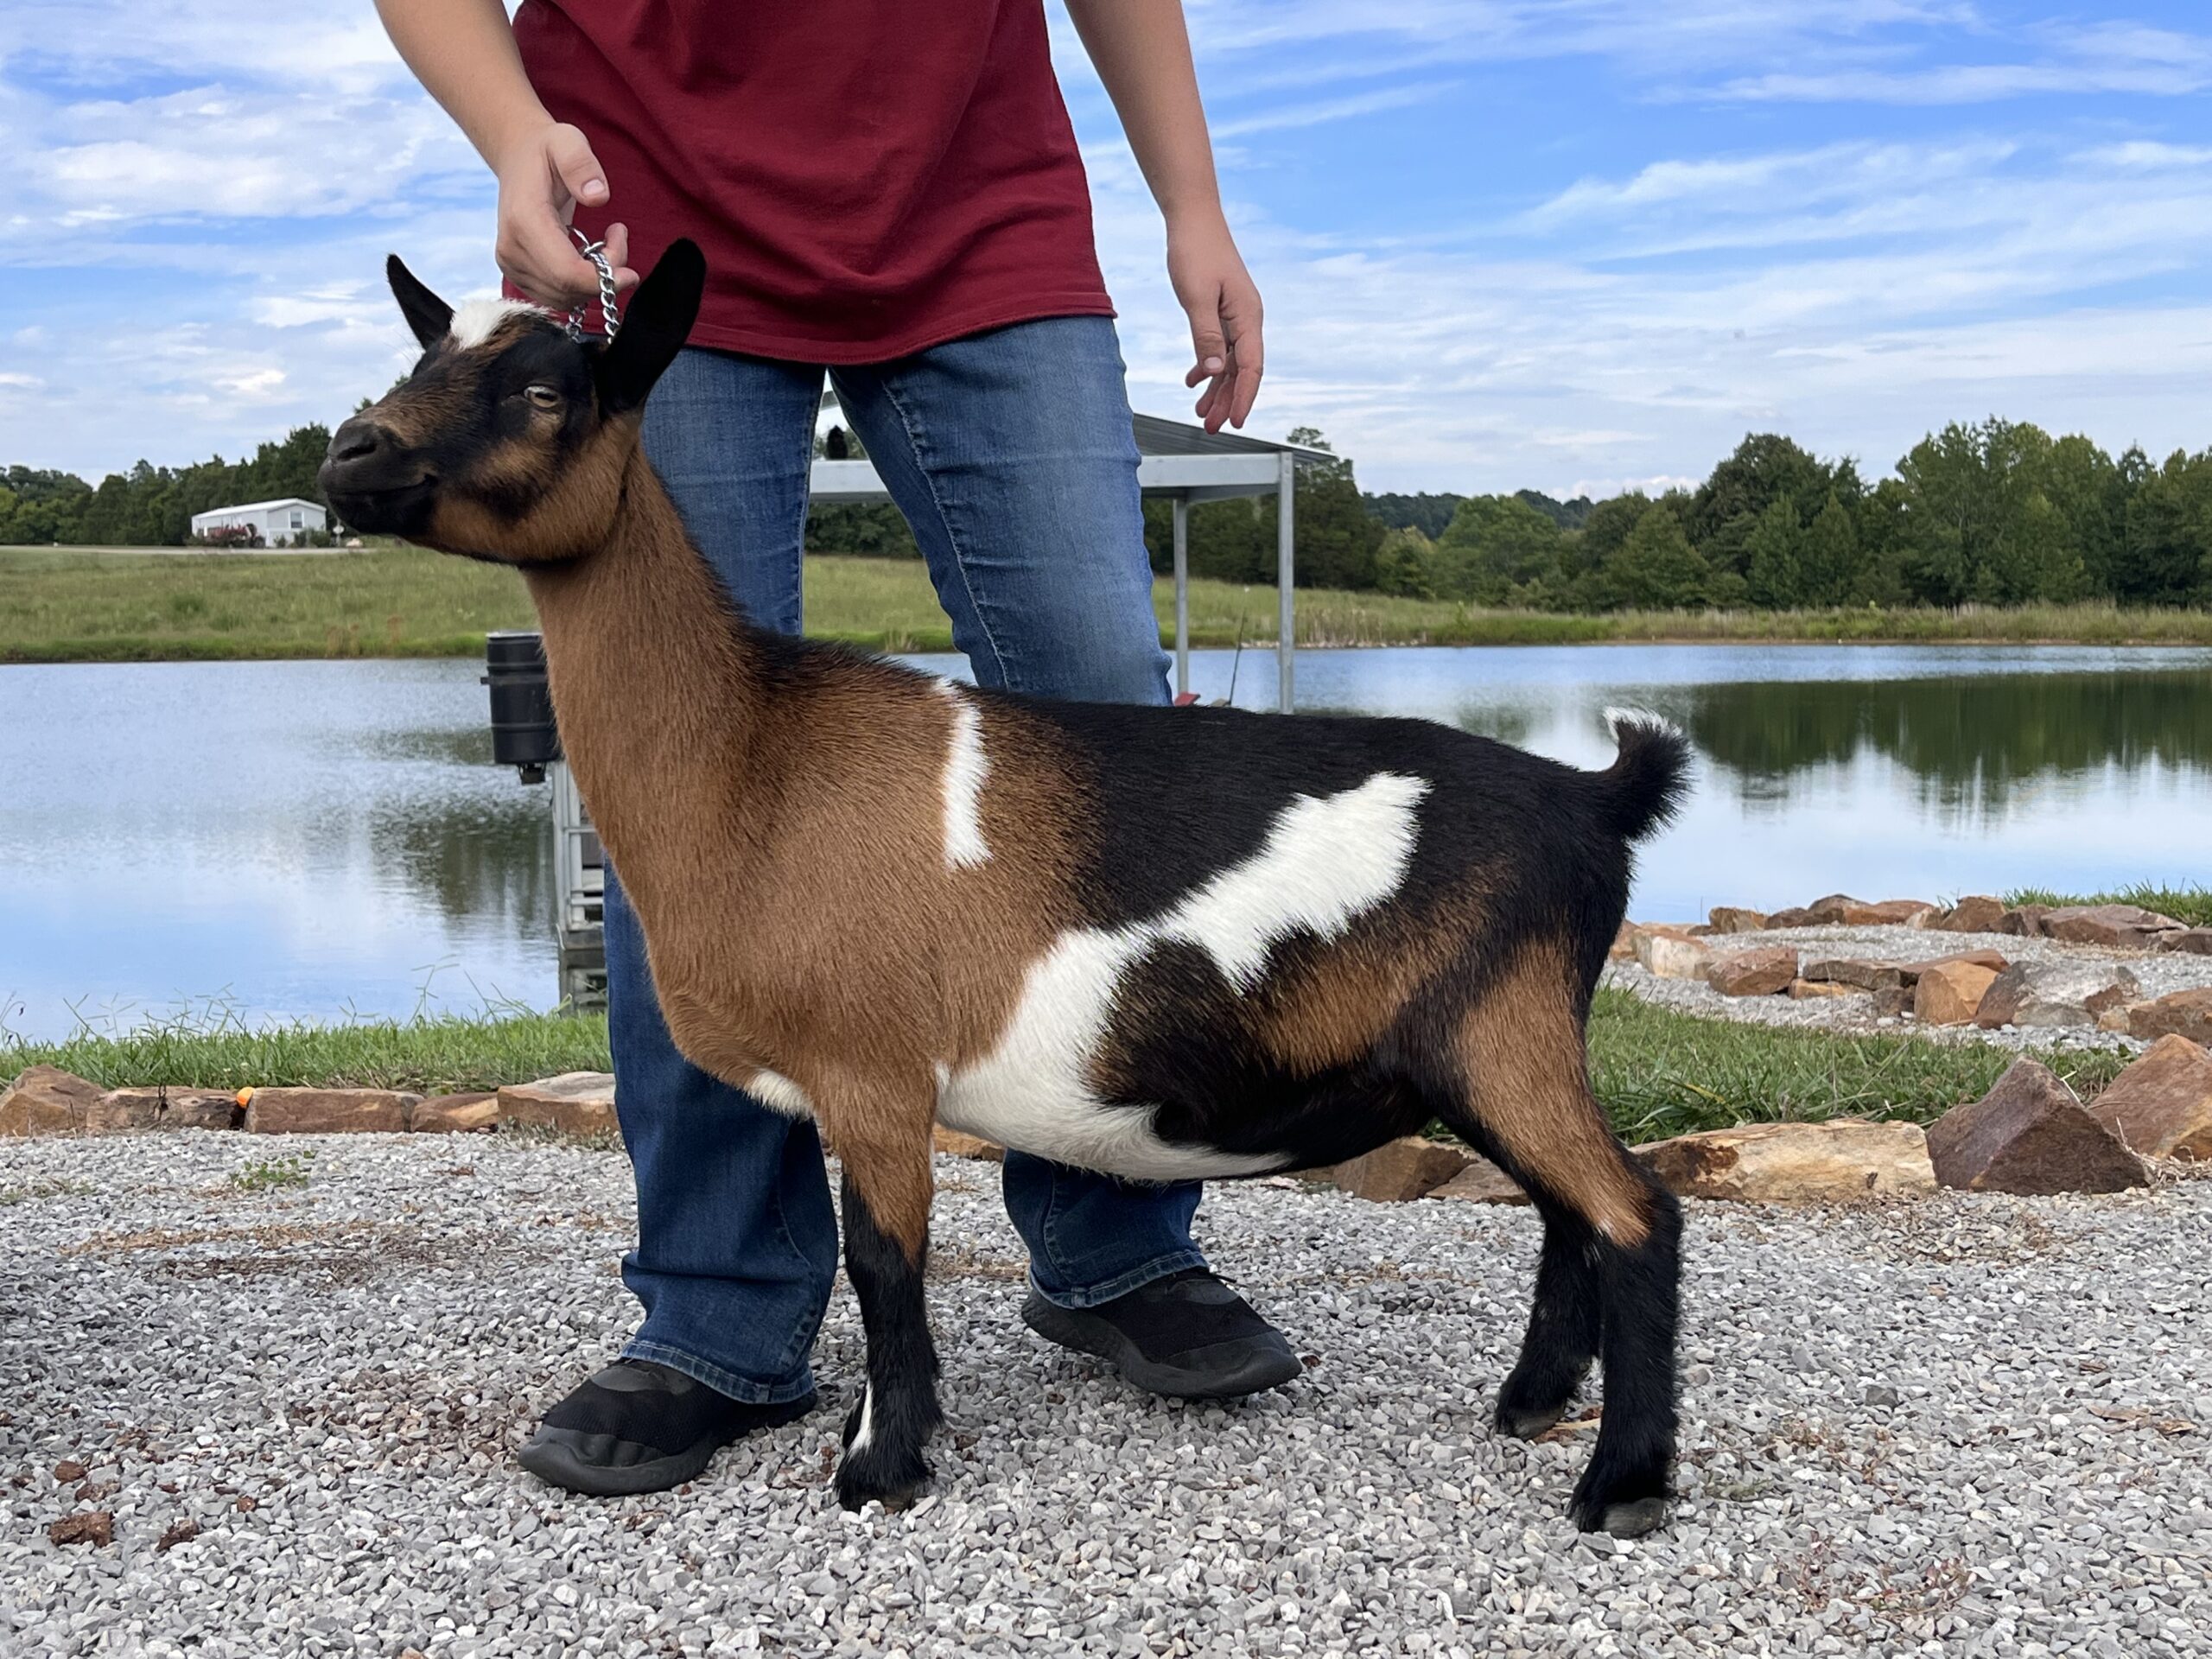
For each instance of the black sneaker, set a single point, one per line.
(1187, 1335)
(639, 1427)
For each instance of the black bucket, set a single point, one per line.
(522, 733)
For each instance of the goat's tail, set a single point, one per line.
(1650, 777)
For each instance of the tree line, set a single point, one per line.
(1997, 513)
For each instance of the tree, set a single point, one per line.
(1774, 553)
(1405, 565)
(1499, 551)
(1656, 569)
(1829, 562)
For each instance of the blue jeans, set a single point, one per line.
(1010, 455)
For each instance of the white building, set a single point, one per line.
(278, 523)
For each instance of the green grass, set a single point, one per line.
(1658, 1072)
(2192, 903)
(268, 1174)
(80, 605)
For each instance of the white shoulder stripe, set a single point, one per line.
(966, 766)
(474, 321)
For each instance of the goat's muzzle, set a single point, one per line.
(373, 482)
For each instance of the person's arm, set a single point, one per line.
(1142, 53)
(463, 52)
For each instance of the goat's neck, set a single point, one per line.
(656, 691)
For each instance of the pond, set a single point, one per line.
(329, 838)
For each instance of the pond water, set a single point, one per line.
(322, 839)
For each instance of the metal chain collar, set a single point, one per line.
(596, 252)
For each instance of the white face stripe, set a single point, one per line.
(474, 321)
(966, 766)
(1324, 861)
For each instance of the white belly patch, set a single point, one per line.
(1326, 861)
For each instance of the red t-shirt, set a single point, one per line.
(867, 177)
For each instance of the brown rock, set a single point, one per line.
(1672, 956)
(2026, 921)
(1790, 1163)
(1855, 972)
(45, 1100)
(468, 1114)
(1992, 960)
(2194, 941)
(1404, 1169)
(87, 1527)
(2055, 994)
(1764, 971)
(1623, 945)
(969, 1146)
(1728, 918)
(171, 1108)
(1807, 990)
(183, 1532)
(68, 1471)
(1794, 917)
(2161, 1106)
(1891, 1000)
(1975, 913)
(2179, 1014)
(1829, 911)
(2029, 1134)
(327, 1112)
(1948, 993)
(2127, 927)
(575, 1102)
(1890, 912)
(1482, 1182)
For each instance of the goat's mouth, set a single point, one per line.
(381, 508)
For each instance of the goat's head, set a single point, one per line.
(509, 440)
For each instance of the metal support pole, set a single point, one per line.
(1182, 596)
(1287, 616)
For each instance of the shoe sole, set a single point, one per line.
(554, 1455)
(1265, 1361)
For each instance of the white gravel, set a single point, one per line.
(2158, 971)
(1970, 1426)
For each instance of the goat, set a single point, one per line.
(1161, 943)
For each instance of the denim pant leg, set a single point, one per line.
(1011, 454)
(737, 1239)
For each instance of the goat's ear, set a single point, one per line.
(430, 317)
(655, 325)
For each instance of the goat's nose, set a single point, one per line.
(356, 440)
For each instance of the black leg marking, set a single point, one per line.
(1563, 1328)
(1624, 1489)
(897, 1410)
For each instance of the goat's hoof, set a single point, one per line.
(1525, 1423)
(1629, 1519)
(893, 1479)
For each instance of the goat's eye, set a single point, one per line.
(543, 397)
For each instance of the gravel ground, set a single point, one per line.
(2159, 972)
(1967, 1426)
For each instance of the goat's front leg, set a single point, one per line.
(888, 1186)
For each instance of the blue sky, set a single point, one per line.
(1565, 244)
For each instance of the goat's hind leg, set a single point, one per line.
(887, 1191)
(1564, 1325)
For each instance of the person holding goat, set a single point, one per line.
(892, 195)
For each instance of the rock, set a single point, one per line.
(1672, 956)
(88, 1527)
(1949, 993)
(1975, 913)
(2055, 994)
(1405, 1169)
(1856, 973)
(470, 1114)
(575, 1102)
(1893, 1002)
(1809, 990)
(2029, 1134)
(1992, 960)
(1482, 1182)
(1727, 918)
(327, 1112)
(1829, 911)
(1765, 970)
(1890, 912)
(183, 1532)
(2127, 927)
(45, 1100)
(2195, 941)
(2026, 920)
(1798, 918)
(68, 1471)
(969, 1146)
(1623, 945)
(2179, 1014)
(172, 1109)
(1793, 1163)
(2161, 1106)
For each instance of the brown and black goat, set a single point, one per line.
(1162, 944)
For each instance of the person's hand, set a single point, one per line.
(1217, 292)
(543, 176)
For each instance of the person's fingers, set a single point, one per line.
(1241, 319)
(569, 153)
(618, 257)
(544, 263)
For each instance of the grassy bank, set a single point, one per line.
(2192, 904)
(1657, 1072)
(75, 605)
